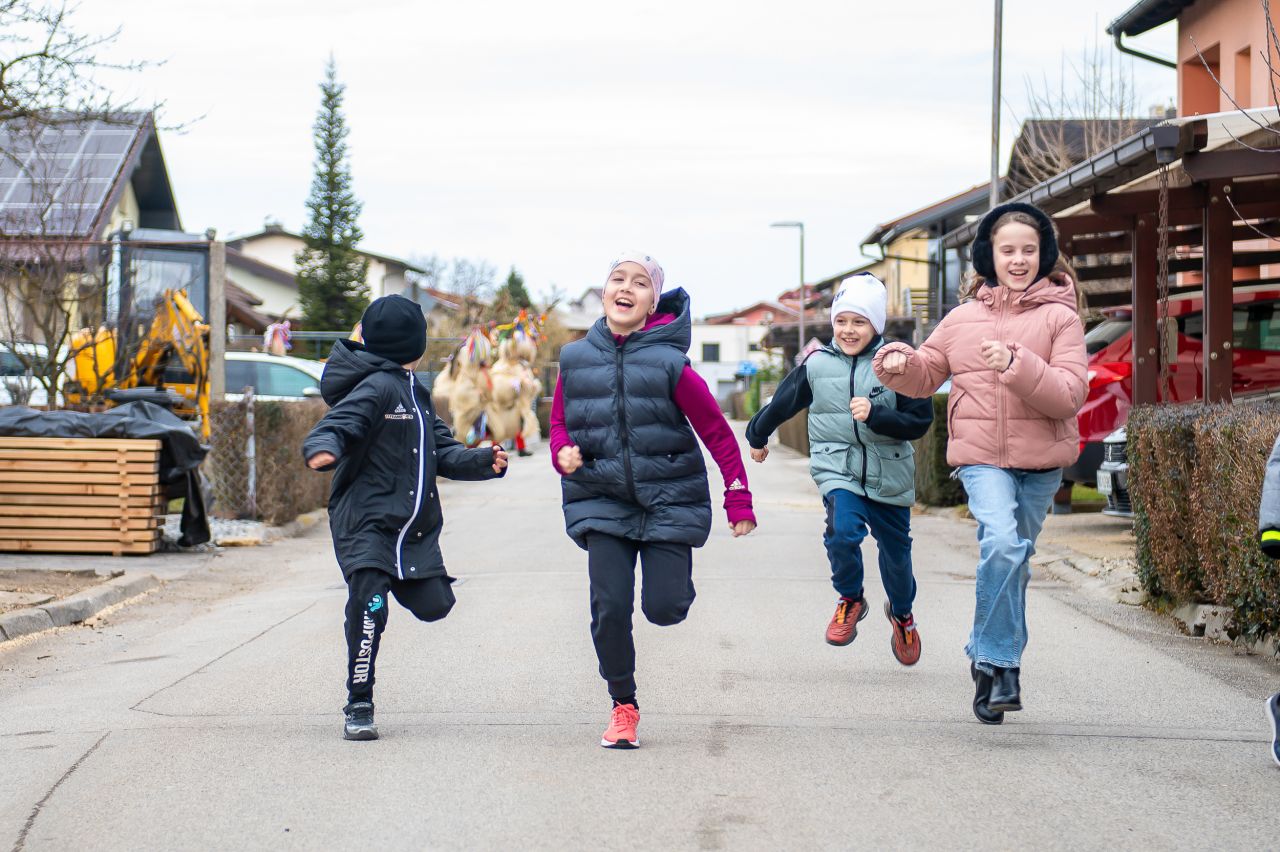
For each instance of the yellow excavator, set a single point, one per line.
(170, 366)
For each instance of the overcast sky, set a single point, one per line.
(553, 135)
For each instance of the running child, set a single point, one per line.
(860, 435)
(1016, 355)
(387, 444)
(623, 423)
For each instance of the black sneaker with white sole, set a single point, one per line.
(359, 724)
(1273, 714)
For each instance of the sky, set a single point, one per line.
(553, 136)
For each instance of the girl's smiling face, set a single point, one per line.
(1017, 254)
(628, 298)
(852, 332)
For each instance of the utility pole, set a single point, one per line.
(995, 105)
(803, 289)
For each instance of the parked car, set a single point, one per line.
(1255, 364)
(1113, 475)
(272, 377)
(17, 384)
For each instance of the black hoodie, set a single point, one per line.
(384, 510)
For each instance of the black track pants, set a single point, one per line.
(666, 593)
(429, 600)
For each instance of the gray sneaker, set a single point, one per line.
(1273, 715)
(359, 725)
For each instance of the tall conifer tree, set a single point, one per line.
(331, 273)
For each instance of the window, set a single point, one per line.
(711, 353)
(1105, 333)
(240, 375)
(283, 380)
(1262, 328)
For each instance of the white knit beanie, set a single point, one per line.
(862, 294)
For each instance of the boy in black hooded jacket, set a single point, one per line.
(387, 444)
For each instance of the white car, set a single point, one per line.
(274, 378)
(17, 385)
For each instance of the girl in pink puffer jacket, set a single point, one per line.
(1016, 357)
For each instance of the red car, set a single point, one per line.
(1255, 364)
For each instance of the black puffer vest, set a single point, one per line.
(643, 476)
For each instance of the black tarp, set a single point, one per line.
(180, 449)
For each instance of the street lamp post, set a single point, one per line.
(803, 289)
(996, 59)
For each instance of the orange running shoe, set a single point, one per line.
(622, 728)
(906, 639)
(843, 628)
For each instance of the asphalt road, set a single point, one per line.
(208, 716)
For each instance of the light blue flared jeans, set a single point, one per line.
(1010, 507)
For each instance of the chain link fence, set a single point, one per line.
(255, 466)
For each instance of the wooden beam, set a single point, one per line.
(1218, 284)
(1135, 203)
(1239, 260)
(1188, 198)
(1214, 165)
(1077, 246)
(1146, 376)
(1086, 223)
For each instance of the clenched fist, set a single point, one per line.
(860, 407)
(894, 363)
(499, 459)
(320, 461)
(760, 454)
(997, 355)
(569, 459)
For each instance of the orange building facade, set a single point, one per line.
(1230, 37)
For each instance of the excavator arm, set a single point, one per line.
(172, 356)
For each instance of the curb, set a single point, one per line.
(269, 535)
(73, 609)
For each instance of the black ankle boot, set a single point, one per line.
(1006, 693)
(985, 714)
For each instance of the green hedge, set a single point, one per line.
(1195, 474)
(934, 485)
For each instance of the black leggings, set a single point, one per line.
(666, 593)
(367, 589)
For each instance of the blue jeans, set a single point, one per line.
(1010, 507)
(849, 517)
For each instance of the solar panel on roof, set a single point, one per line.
(55, 179)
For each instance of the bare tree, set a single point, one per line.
(472, 280)
(1093, 106)
(49, 71)
(434, 269)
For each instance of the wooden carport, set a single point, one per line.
(1214, 181)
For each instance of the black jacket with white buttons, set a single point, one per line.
(384, 510)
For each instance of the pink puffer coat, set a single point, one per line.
(1024, 417)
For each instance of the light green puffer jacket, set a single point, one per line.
(844, 453)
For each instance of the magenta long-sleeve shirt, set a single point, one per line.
(694, 399)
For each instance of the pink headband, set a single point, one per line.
(651, 268)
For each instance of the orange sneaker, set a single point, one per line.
(906, 639)
(843, 628)
(622, 728)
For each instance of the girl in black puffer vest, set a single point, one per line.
(623, 425)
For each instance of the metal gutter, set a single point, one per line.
(1140, 154)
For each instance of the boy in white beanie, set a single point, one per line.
(860, 435)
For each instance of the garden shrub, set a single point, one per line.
(1195, 475)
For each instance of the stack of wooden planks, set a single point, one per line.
(80, 495)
